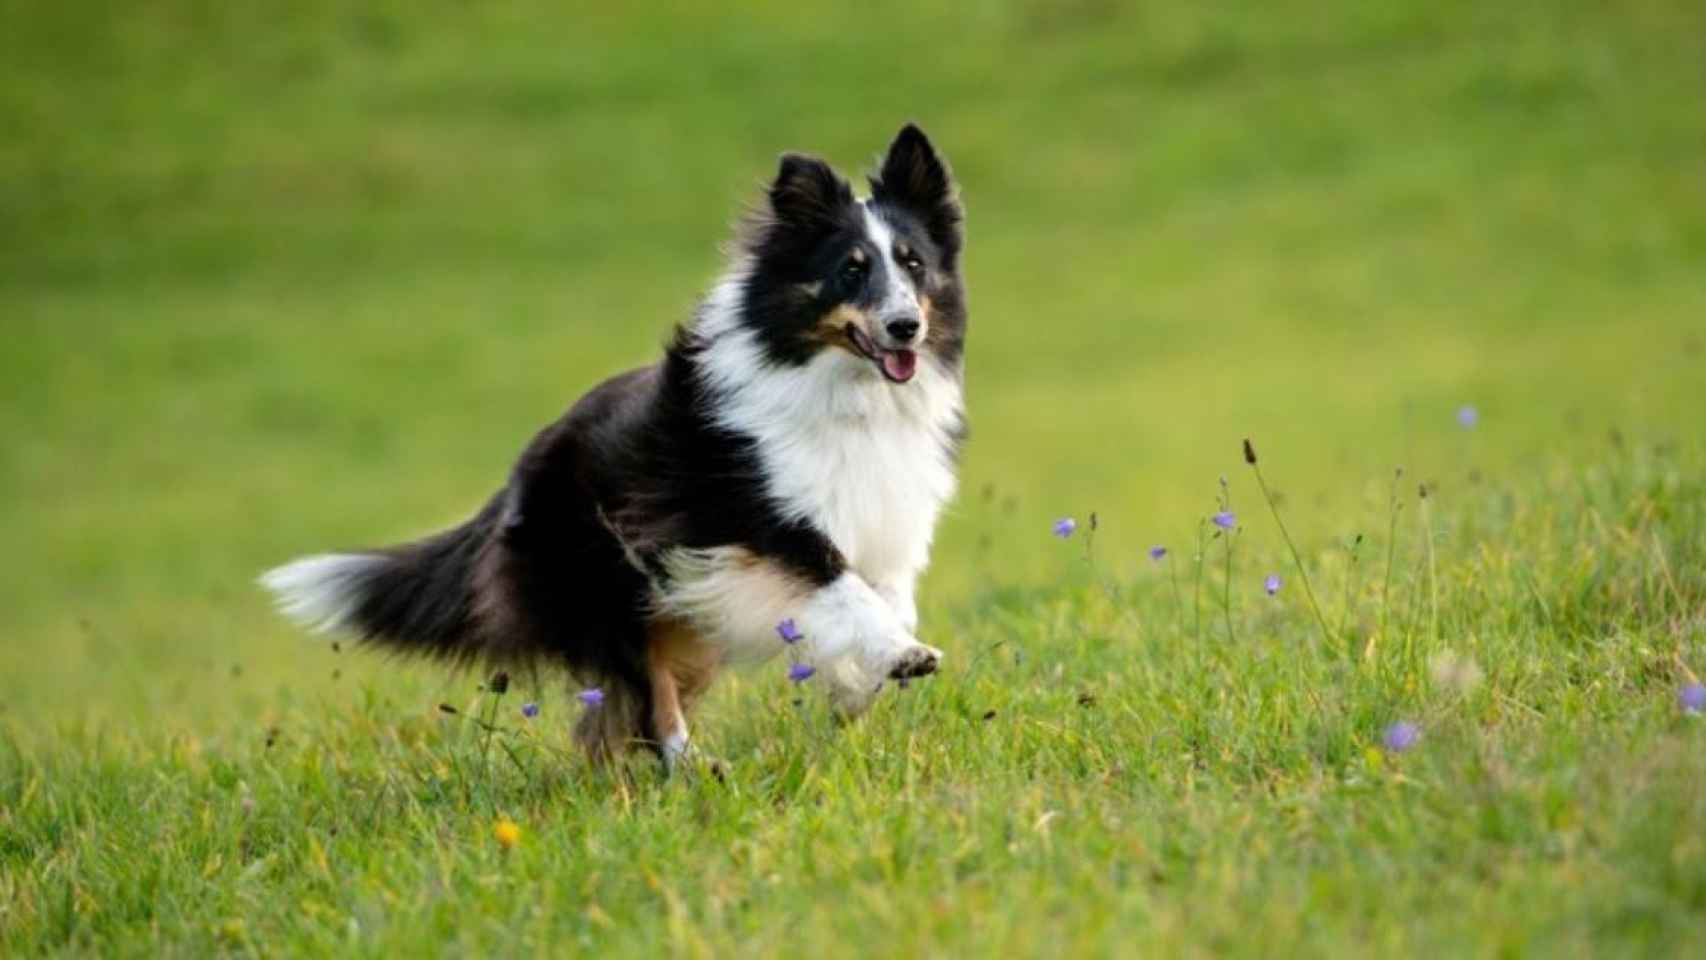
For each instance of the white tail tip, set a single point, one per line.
(320, 592)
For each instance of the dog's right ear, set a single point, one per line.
(807, 193)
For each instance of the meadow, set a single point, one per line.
(279, 278)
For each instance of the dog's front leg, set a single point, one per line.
(898, 593)
(855, 637)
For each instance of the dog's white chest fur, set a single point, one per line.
(864, 463)
(867, 462)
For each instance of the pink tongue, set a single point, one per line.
(900, 365)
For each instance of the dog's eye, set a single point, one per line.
(914, 266)
(853, 272)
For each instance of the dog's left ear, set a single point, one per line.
(915, 176)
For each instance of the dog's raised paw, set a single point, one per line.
(915, 661)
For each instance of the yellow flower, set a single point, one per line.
(507, 832)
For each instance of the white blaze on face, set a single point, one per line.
(899, 299)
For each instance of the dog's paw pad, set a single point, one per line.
(918, 661)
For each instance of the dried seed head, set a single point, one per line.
(1249, 452)
(447, 708)
(499, 683)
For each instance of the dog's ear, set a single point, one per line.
(915, 176)
(807, 194)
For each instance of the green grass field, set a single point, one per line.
(278, 280)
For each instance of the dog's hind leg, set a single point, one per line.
(621, 719)
(680, 665)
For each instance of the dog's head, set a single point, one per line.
(875, 280)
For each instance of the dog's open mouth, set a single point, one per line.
(897, 365)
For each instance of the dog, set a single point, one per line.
(771, 486)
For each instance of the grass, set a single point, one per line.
(278, 280)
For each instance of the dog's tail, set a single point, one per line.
(416, 598)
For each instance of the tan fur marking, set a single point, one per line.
(831, 330)
(682, 666)
(732, 598)
(935, 334)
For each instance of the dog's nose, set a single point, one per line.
(903, 329)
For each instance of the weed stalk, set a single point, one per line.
(1391, 550)
(1296, 558)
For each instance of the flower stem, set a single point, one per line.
(1391, 549)
(1433, 571)
(1228, 533)
(486, 749)
(1178, 598)
(1197, 597)
(1302, 571)
(1090, 546)
(1349, 600)
(1226, 597)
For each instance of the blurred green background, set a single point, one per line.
(283, 277)
(276, 278)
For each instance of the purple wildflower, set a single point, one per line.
(1271, 584)
(801, 672)
(1157, 552)
(1064, 526)
(1401, 736)
(1225, 519)
(530, 710)
(1692, 698)
(788, 631)
(1467, 417)
(592, 696)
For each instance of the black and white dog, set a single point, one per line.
(786, 460)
